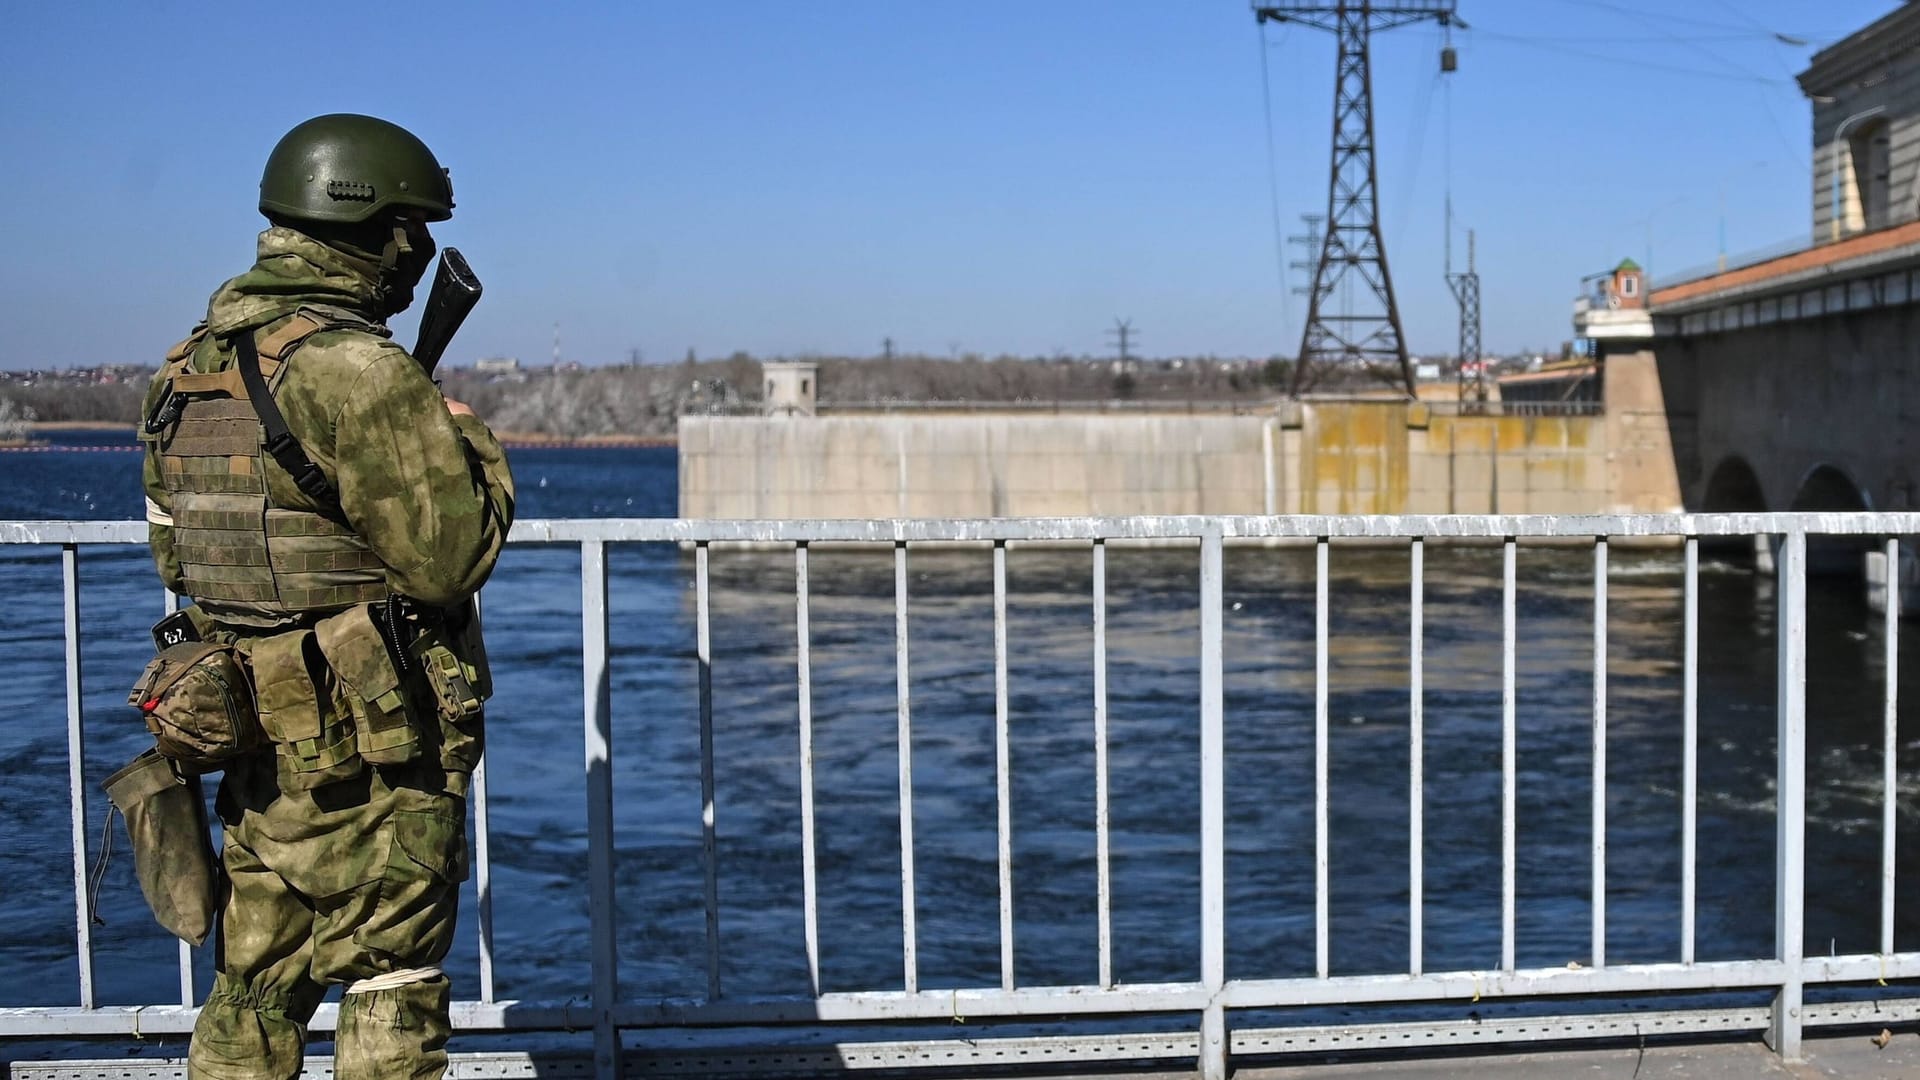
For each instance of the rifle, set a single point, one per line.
(455, 291)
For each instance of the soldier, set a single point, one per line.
(331, 515)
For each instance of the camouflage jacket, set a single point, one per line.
(429, 492)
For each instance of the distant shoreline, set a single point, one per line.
(534, 440)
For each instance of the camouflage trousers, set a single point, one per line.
(353, 880)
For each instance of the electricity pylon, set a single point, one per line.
(1361, 335)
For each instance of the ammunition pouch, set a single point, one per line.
(199, 705)
(386, 720)
(172, 853)
(302, 713)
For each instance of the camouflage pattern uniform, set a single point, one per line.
(342, 871)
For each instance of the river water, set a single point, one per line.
(535, 752)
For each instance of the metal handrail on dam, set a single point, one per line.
(1107, 1019)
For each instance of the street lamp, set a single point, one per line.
(1838, 132)
(1723, 207)
(1647, 266)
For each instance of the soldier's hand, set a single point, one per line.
(458, 408)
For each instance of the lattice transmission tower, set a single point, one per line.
(1362, 334)
(1466, 290)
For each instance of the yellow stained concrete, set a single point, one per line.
(1344, 457)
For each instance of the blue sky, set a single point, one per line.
(990, 176)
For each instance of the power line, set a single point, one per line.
(1749, 36)
(1273, 184)
(1422, 112)
(1773, 117)
(1665, 16)
(1628, 61)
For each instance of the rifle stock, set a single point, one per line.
(455, 291)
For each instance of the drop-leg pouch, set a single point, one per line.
(172, 852)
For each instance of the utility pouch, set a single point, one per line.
(459, 687)
(471, 648)
(384, 729)
(172, 854)
(198, 702)
(314, 742)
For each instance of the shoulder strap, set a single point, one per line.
(280, 442)
(281, 343)
(185, 348)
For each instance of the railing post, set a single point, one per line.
(483, 861)
(1213, 828)
(1783, 1032)
(709, 837)
(199, 794)
(599, 765)
(77, 772)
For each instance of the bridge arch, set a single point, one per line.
(1734, 488)
(1827, 487)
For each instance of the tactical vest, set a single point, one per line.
(246, 561)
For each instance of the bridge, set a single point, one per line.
(1210, 1023)
(1789, 384)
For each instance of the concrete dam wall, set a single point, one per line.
(1355, 457)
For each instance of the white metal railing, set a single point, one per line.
(1212, 997)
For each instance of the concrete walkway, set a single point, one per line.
(1854, 1057)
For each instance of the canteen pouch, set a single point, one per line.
(172, 853)
(198, 703)
(314, 739)
(385, 732)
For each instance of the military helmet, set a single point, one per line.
(348, 169)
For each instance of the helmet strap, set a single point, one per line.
(397, 245)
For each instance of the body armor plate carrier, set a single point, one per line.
(245, 560)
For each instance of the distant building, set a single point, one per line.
(791, 387)
(1865, 91)
(497, 365)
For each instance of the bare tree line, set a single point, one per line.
(648, 399)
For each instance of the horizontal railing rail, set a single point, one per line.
(1784, 972)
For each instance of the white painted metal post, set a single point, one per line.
(709, 840)
(483, 864)
(910, 960)
(1509, 740)
(1890, 747)
(1599, 851)
(1416, 758)
(599, 767)
(172, 604)
(1790, 812)
(809, 867)
(1003, 762)
(1101, 815)
(1689, 749)
(77, 772)
(483, 879)
(1321, 959)
(1213, 814)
